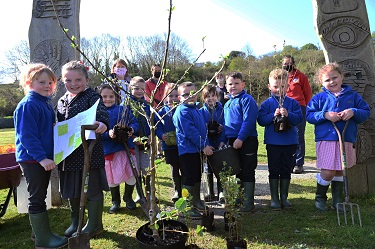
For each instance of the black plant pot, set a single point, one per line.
(173, 240)
(208, 220)
(236, 244)
(192, 246)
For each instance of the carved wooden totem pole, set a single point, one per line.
(343, 28)
(49, 45)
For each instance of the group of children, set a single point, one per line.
(188, 134)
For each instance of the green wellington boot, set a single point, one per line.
(274, 189)
(74, 215)
(248, 205)
(193, 213)
(44, 238)
(94, 224)
(284, 191)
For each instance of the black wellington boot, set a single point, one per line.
(321, 197)
(337, 189)
(116, 200)
(128, 198)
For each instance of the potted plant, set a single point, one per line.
(232, 216)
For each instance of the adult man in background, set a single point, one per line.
(299, 89)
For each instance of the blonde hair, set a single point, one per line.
(333, 66)
(184, 85)
(278, 73)
(137, 79)
(32, 72)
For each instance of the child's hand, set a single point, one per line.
(208, 150)
(346, 114)
(164, 137)
(284, 112)
(48, 164)
(277, 112)
(237, 144)
(130, 133)
(102, 127)
(221, 144)
(332, 116)
(111, 134)
(220, 129)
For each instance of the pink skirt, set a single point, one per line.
(119, 169)
(328, 155)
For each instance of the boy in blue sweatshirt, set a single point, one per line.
(280, 116)
(191, 133)
(240, 114)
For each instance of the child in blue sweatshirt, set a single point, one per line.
(337, 104)
(142, 148)
(240, 117)
(167, 134)
(33, 122)
(192, 139)
(280, 136)
(117, 163)
(213, 114)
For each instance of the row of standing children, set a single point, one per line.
(239, 126)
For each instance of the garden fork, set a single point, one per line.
(347, 205)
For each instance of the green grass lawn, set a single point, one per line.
(300, 227)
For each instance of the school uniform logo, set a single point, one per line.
(295, 80)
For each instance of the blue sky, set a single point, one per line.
(227, 24)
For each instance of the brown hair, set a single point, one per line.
(75, 65)
(235, 75)
(122, 61)
(106, 86)
(170, 87)
(333, 66)
(32, 72)
(137, 79)
(208, 89)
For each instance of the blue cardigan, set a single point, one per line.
(214, 114)
(191, 131)
(33, 121)
(240, 116)
(266, 115)
(116, 114)
(325, 102)
(166, 127)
